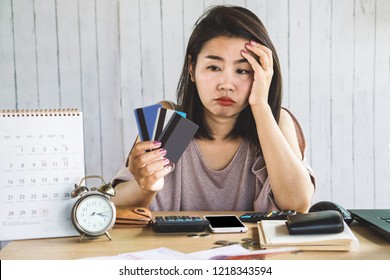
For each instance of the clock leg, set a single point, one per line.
(108, 235)
(81, 237)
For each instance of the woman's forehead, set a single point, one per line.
(224, 48)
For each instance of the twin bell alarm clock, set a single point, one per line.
(94, 213)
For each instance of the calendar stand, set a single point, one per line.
(3, 244)
(43, 157)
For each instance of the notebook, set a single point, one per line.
(274, 234)
(377, 219)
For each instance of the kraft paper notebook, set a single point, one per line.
(274, 234)
(42, 158)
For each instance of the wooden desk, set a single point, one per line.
(372, 246)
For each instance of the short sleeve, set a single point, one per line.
(123, 175)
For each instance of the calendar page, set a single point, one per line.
(42, 158)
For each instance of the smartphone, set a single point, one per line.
(225, 224)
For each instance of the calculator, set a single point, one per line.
(168, 224)
(254, 217)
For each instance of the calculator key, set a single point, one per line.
(169, 224)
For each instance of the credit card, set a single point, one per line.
(176, 136)
(163, 117)
(146, 119)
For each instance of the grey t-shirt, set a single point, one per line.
(242, 186)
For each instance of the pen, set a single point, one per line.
(270, 214)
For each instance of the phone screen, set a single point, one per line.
(225, 224)
(224, 221)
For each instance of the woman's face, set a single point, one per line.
(223, 77)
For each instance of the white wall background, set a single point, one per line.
(107, 57)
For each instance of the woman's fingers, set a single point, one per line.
(261, 60)
(142, 147)
(151, 182)
(147, 157)
(263, 53)
(148, 164)
(152, 167)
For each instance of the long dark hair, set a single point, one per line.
(235, 22)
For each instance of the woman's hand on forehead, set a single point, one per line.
(261, 60)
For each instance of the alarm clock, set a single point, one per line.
(94, 213)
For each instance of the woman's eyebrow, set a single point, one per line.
(216, 57)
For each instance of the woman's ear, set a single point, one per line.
(191, 69)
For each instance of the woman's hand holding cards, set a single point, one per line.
(148, 165)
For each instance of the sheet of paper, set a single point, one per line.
(157, 254)
(161, 253)
(220, 253)
(237, 251)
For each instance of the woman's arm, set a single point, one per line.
(129, 193)
(148, 166)
(289, 179)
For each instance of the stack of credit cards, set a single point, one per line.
(169, 127)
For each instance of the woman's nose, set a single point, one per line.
(226, 82)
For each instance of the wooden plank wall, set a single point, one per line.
(109, 57)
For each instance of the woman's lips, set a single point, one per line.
(225, 101)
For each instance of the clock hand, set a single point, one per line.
(104, 214)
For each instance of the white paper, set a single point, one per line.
(222, 251)
(153, 254)
(212, 254)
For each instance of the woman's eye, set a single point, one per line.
(243, 71)
(213, 68)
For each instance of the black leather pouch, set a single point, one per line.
(329, 221)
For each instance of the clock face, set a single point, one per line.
(94, 214)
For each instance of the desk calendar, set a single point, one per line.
(42, 157)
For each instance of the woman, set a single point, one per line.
(248, 153)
